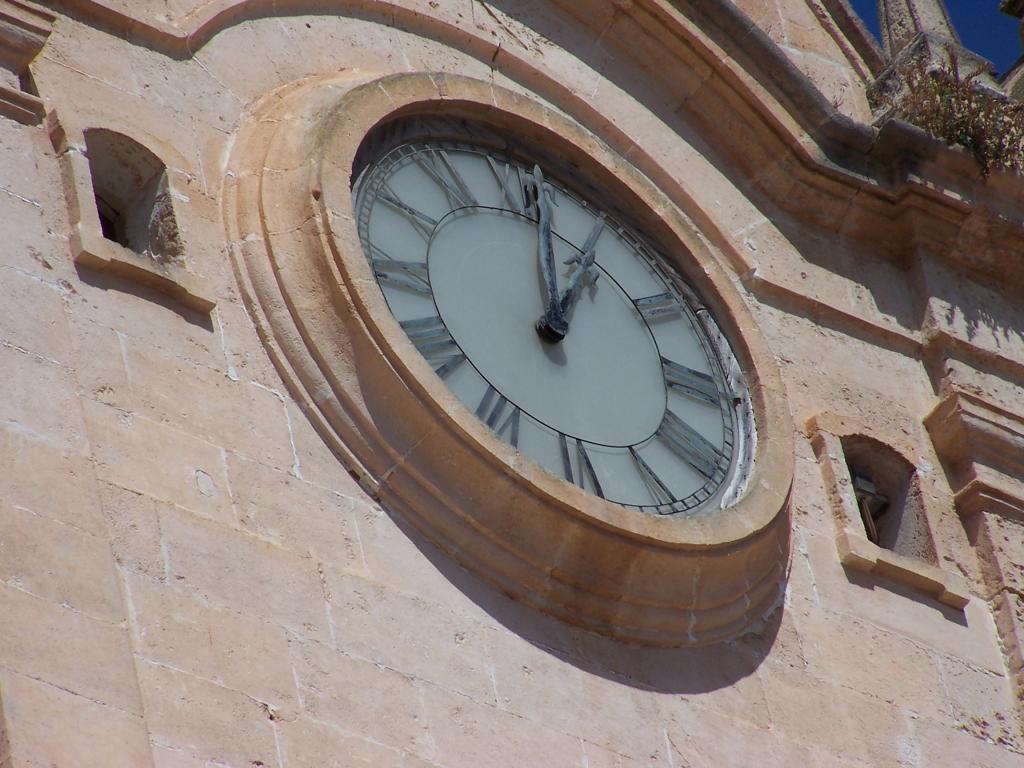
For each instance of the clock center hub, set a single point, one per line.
(602, 383)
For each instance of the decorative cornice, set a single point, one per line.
(24, 29)
(982, 447)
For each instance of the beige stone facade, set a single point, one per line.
(241, 524)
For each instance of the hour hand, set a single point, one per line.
(585, 270)
(552, 325)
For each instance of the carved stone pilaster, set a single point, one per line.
(24, 29)
(982, 448)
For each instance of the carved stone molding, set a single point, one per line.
(982, 447)
(24, 29)
(656, 580)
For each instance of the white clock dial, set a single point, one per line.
(559, 328)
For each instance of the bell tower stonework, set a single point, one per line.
(264, 500)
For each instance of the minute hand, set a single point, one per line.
(551, 326)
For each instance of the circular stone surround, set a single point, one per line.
(665, 581)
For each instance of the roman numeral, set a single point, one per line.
(697, 385)
(690, 446)
(422, 223)
(566, 462)
(513, 198)
(657, 306)
(410, 275)
(438, 166)
(659, 491)
(430, 336)
(511, 424)
(587, 470)
(491, 406)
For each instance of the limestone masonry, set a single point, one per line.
(243, 523)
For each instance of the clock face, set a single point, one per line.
(557, 326)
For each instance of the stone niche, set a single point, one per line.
(121, 204)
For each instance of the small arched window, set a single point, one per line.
(888, 496)
(132, 194)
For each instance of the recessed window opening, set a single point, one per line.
(133, 197)
(888, 495)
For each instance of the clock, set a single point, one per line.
(555, 323)
(521, 345)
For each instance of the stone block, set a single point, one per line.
(877, 663)
(1004, 545)
(60, 563)
(981, 703)
(307, 519)
(146, 316)
(174, 757)
(60, 646)
(159, 461)
(306, 742)
(397, 555)
(246, 357)
(49, 480)
(46, 411)
(49, 726)
(246, 418)
(133, 529)
(938, 744)
(467, 733)
(235, 570)
(205, 720)
(315, 461)
(412, 635)
(836, 720)
(968, 634)
(605, 711)
(32, 316)
(232, 649)
(361, 697)
(703, 739)
(99, 365)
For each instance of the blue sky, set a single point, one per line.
(981, 27)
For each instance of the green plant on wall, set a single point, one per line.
(955, 108)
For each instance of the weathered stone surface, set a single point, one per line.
(38, 400)
(67, 649)
(232, 649)
(191, 578)
(184, 470)
(307, 742)
(232, 568)
(45, 478)
(362, 697)
(48, 726)
(59, 563)
(204, 720)
(32, 316)
(309, 520)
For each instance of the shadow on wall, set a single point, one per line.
(663, 670)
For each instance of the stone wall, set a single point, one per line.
(190, 577)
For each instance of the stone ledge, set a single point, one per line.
(24, 29)
(857, 553)
(969, 433)
(21, 106)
